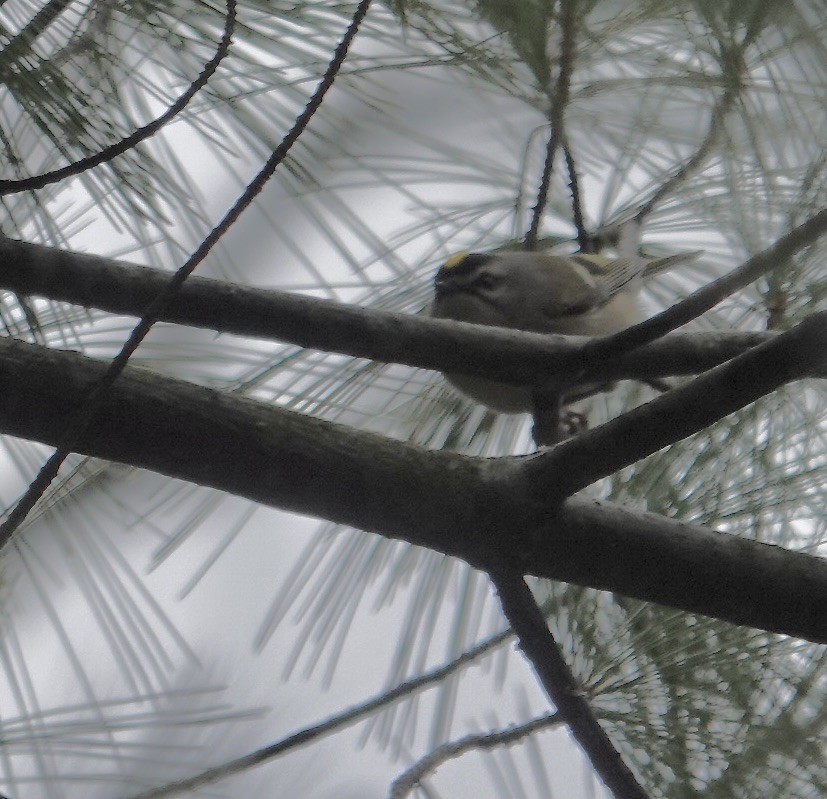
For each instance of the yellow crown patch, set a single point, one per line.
(455, 260)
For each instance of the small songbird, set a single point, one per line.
(584, 295)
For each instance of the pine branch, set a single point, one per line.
(555, 676)
(734, 58)
(408, 781)
(141, 134)
(620, 442)
(444, 345)
(710, 295)
(334, 724)
(85, 412)
(492, 513)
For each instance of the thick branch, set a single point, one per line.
(687, 566)
(121, 288)
(487, 512)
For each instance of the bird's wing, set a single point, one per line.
(555, 289)
(610, 275)
(655, 266)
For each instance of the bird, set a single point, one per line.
(580, 294)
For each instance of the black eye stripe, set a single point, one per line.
(485, 280)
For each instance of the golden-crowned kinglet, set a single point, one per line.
(584, 295)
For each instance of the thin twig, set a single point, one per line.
(583, 238)
(543, 652)
(338, 722)
(407, 781)
(559, 99)
(84, 414)
(709, 295)
(576, 463)
(142, 133)
(716, 124)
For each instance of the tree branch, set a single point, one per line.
(492, 513)
(559, 99)
(626, 439)
(84, 412)
(338, 722)
(407, 781)
(445, 345)
(542, 651)
(710, 295)
(139, 135)
(732, 57)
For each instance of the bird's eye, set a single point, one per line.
(487, 282)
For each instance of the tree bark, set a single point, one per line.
(492, 513)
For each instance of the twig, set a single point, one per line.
(709, 295)
(583, 238)
(338, 722)
(407, 781)
(85, 412)
(142, 133)
(559, 100)
(543, 652)
(716, 123)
